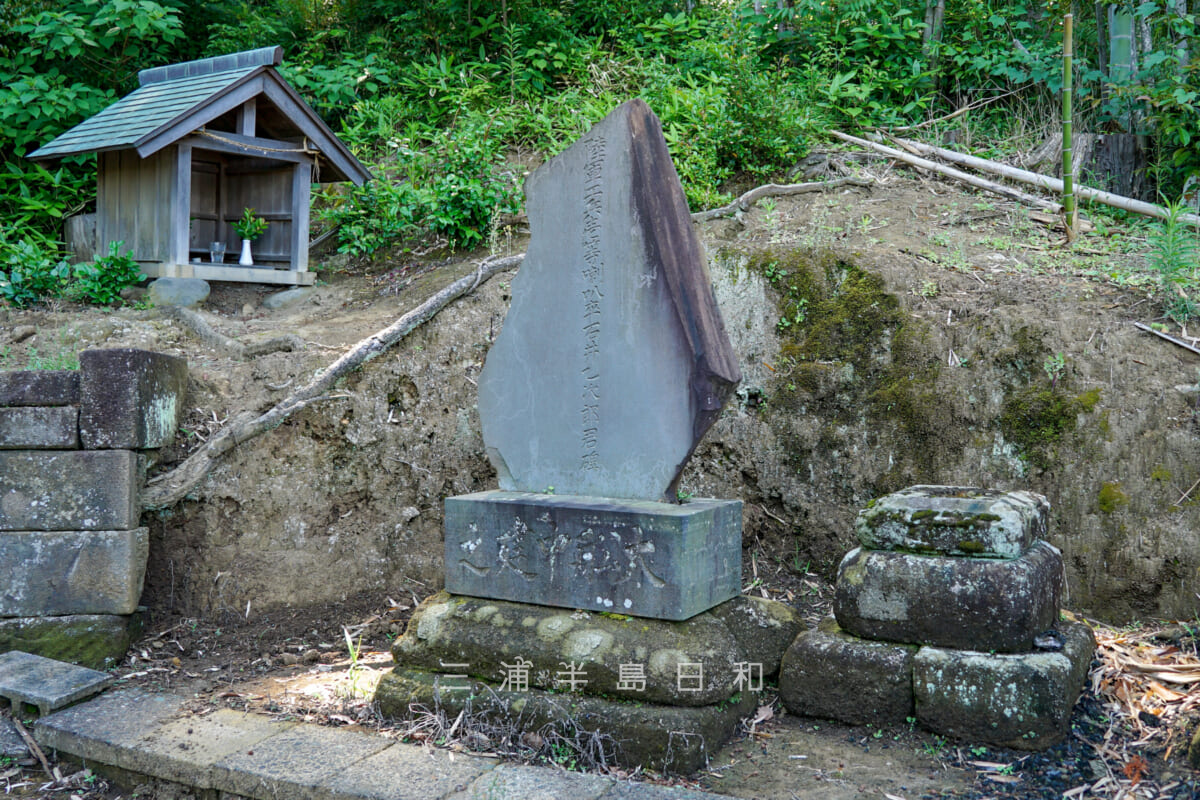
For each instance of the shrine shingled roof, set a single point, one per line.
(176, 100)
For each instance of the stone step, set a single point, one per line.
(244, 754)
(46, 683)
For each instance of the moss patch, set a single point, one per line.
(1111, 497)
(845, 339)
(1036, 418)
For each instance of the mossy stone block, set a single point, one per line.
(764, 629)
(965, 603)
(129, 399)
(659, 737)
(954, 521)
(1020, 700)
(90, 640)
(830, 674)
(690, 663)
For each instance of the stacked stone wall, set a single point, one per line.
(73, 445)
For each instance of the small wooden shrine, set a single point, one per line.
(183, 156)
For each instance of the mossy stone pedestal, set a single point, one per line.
(627, 690)
(929, 628)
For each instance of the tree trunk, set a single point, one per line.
(1122, 61)
(1102, 45)
(1182, 55)
(1119, 165)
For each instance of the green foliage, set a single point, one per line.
(250, 226)
(28, 272)
(59, 66)
(452, 189)
(102, 280)
(1175, 256)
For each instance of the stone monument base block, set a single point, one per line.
(646, 559)
(593, 730)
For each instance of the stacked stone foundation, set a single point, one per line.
(74, 446)
(611, 626)
(948, 613)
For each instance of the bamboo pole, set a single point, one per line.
(1046, 182)
(1068, 149)
(942, 169)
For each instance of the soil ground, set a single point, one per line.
(298, 661)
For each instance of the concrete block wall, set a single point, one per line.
(72, 555)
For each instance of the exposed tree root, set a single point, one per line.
(169, 488)
(774, 190)
(207, 334)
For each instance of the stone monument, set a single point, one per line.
(612, 364)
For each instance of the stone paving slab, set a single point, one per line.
(648, 791)
(39, 428)
(507, 782)
(234, 753)
(46, 683)
(297, 764)
(184, 749)
(107, 729)
(406, 772)
(11, 743)
(56, 573)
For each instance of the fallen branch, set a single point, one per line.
(33, 748)
(207, 334)
(959, 175)
(171, 487)
(1046, 182)
(1142, 327)
(969, 107)
(773, 190)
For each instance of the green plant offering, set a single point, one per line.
(249, 226)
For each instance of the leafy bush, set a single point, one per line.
(102, 280)
(453, 189)
(28, 273)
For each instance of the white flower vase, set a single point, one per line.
(246, 260)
